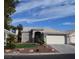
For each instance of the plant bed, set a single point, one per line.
(32, 49)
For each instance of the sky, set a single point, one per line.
(55, 14)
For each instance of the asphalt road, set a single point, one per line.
(58, 56)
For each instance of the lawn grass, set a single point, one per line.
(26, 45)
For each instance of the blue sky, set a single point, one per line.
(56, 14)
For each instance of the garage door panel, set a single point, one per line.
(55, 39)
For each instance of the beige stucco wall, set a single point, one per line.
(25, 37)
(72, 37)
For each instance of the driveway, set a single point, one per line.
(64, 48)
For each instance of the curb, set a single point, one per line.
(28, 54)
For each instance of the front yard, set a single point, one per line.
(31, 48)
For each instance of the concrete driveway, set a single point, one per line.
(64, 48)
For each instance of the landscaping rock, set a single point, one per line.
(16, 52)
(7, 51)
(37, 50)
(31, 50)
(53, 50)
(21, 49)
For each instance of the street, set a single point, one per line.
(56, 56)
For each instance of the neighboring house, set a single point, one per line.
(6, 34)
(71, 37)
(51, 36)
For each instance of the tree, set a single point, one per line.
(30, 36)
(9, 9)
(20, 28)
(13, 28)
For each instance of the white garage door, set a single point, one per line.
(55, 39)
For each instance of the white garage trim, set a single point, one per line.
(55, 39)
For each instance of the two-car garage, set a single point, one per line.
(55, 39)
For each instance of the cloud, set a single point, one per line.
(34, 3)
(68, 23)
(26, 6)
(57, 11)
(34, 20)
(49, 14)
(51, 9)
(31, 20)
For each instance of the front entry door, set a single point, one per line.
(37, 37)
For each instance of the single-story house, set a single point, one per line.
(51, 36)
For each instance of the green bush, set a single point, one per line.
(10, 45)
(41, 42)
(10, 42)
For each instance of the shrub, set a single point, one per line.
(10, 45)
(39, 38)
(10, 42)
(41, 42)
